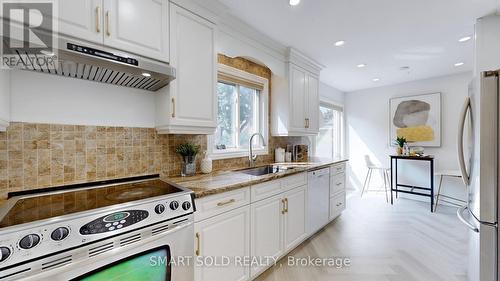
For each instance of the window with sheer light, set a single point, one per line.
(242, 111)
(329, 142)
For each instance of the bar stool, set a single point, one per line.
(384, 172)
(441, 175)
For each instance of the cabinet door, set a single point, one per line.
(139, 27)
(294, 226)
(266, 232)
(81, 19)
(225, 235)
(193, 97)
(298, 92)
(312, 103)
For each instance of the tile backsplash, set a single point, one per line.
(41, 155)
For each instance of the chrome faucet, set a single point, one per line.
(252, 158)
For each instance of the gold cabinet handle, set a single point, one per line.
(98, 19)
(307, 122)
(108, 32)
(173, 107)
(283, 210)
(197, 244)
(286, 205)
(220, 204)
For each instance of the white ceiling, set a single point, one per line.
(384, 34)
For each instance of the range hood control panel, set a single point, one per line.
(101, 54)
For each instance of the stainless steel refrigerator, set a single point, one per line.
(478, 155)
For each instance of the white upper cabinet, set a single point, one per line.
(190, 106)
(140, 27)
(312, 103)
(295, 98)
(81, 19)
(298, 83)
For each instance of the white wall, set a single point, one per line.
(4, 99)
(43, 98)
(330, 94)
(367, 126)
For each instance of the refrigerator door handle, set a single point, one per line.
(460, 215)
(460, 141)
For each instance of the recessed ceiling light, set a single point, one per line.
(376, 79)
(459, 64)
(340, 43)
(294, 2)
(464, 39)
(145, 74)
(361, 65)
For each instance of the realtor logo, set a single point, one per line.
(28, 34)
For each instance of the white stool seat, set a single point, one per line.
(384, 172)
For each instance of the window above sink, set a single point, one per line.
(243, 102)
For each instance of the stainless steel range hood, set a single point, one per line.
(101, 64)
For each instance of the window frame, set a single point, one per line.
(341, 138)
(238, 74)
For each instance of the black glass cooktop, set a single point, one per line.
(47, 205)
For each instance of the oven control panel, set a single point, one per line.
(113, 221)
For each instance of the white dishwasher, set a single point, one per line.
(318, 191)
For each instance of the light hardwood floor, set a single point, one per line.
(403, 242)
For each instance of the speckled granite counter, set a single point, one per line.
(223, 181)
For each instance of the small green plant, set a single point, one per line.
(400, 141)
(187, 149)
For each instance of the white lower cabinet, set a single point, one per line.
(260, 223)
(295, 218)
(225, 235)
(266, 234)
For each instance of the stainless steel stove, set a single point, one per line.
(92, 231)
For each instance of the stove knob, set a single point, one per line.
(59, 233)
(186, 205)
(29, 241)
(4, 253)
(160, 208)
(174, 205)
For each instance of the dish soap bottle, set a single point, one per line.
(206, 164)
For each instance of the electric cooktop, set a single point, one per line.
(26, 208)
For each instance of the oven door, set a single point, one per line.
(147, 260)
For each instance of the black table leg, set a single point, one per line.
(432, 183)
(392, 181)
(396, 177)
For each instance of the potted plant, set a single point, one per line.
(400, 141)
(188, 151)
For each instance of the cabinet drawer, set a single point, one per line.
(265, 190)
(337, 184)
(337, 205)
(293, 181)
(213, 205)
(337, 169)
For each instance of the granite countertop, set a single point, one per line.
(222, 181)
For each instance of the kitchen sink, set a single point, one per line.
(264, 170)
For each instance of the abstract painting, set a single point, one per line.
(416, 118)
